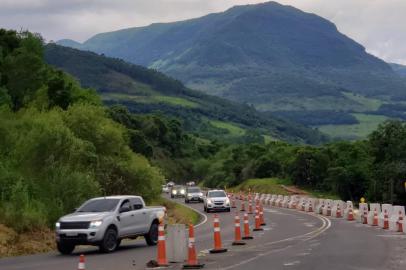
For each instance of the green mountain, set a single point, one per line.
(399, 69)
(144, 90)
(275, 57)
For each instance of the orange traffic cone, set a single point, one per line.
(338, 213)
(81, 264)
(247, 235)
(257, 221)
(242, 206)
(237, 234)
(375, 220)
(161, 256)
(385, 220)
(261, 215)
(192, 262)
(350, 215)
(250, 208)
(365, 221)
(400, 222)
(217, 237)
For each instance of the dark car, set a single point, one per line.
(193, 194)
(178, 191)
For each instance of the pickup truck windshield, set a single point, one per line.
(216, 194)
(193, 190)
(101, 205)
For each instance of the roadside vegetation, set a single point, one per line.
(60, 146)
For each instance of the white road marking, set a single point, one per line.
(306, 237)
(291, 263)
(197, 211)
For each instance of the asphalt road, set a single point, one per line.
(290, 240)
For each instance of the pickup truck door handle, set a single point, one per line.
(132, 215)
(144, 213)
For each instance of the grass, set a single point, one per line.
(231, 128)
(274, 186)
(268, 139)
(16, 244)
(264, 185)
(367, 124)
(321, 194)
(314, 103)
(369, 104)
(178, 213)
(174, 101)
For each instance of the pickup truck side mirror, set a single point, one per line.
(124, 209)
(138, 206)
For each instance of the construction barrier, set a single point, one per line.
(387, 210)
(349, 207)
(362, 215)
(310, 204)
(337, 210)
(397, 213)
(320, 206)
(374, 211)
(273, 199)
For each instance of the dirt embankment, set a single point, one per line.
(14, 244)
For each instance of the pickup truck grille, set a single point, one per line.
(74, 225)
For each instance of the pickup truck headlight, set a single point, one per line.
(182, 191)
(57, 225)
(95, 224)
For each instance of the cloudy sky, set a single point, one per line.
(380, 25)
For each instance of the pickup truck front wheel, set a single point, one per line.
(65, 248)
(110, 241)
(152, 236)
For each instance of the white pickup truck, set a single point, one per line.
(105, 221)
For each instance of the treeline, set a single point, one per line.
(374, 168)
(59, 145)
(319, 117)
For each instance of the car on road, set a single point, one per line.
(178, 191)
(193, 194)
(105, 221)
(216, 200)
(165, 189)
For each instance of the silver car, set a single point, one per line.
(105, 221)
(216, 200)
(193, 194)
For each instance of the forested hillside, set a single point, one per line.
(145, 90)
(59, 146)
(374, 169)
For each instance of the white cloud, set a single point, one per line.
(379, 25)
